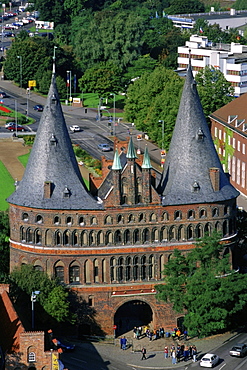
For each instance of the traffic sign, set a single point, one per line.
(114, 327)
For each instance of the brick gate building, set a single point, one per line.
(110, 244)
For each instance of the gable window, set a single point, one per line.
(31, 357)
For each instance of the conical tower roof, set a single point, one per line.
(131, 153)
(116, 162)
(146, 164)
(186, 176)
(52, 162)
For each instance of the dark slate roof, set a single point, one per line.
(189, 158)
(52, 160)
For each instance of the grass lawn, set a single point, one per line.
(24, 159)
(6, 185)
(91, 100)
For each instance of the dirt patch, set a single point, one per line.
(10, 150)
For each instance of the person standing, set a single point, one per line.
(166, 352)
(174, 359)
(124, 343)
(144, 351)
(194, 353)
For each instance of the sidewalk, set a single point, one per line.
(155, 356)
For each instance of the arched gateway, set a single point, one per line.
(130, 314)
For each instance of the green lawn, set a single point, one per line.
(6, 185)
(24, 159)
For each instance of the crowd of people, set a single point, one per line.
(181, 352)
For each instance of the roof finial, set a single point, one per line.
(190, 57)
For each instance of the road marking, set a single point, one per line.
(223, 366)
(240, 365)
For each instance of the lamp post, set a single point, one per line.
(33, 299)
(114, 113)
(163, 127)
(69, 85)
(28, 93)
(20, 57)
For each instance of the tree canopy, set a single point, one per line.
(203, 286)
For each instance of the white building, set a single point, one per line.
(231, 59)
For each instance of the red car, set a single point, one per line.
(13, 128)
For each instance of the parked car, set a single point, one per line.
(9, 124)
(13, 128)
(38, 107)
(74, 128)
(239, 350)
(104, 147)
(209, 360)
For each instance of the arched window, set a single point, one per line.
(164, 234)
(153, 217)
(128, 269)
(165, 216)
(29, 235)
(38, 238)
(177, 215)
(66, 237)
(118, 237)
(100, 238)
(202, 213)
(108, 220)
(155, 235)
(69, 221)
(127, 237)
(38, 268)
(84, 238)
(162, 264)
(57, 220)
(143, 268)
(145, 236)
(151, 267)
(93, 221)
(109, 238)
(136, 268)
(120, 219)
(58, 238)
(48, 237)
(39, 219)
(104, 271)
(141, 217)
(136, 236)
(22, 234)
(96, 270)
(190, 232)
(87, 278)
(208, 229)
(218, 227)
(31, 357)
(225, 231)
(181, 233)
(215, 212)
(75, 238)
(131, 218)
(191, 214)
(113, 269)
(91, 238)
(226, 210)
(172, 233)
(81, 221)
(25, 217)
(74, 273)
(120, 269)
(199, 231)
(59, 271)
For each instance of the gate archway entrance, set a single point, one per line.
(131, 314)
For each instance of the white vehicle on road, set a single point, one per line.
(74, 128)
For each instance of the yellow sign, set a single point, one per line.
(55, 365)
(32, 83)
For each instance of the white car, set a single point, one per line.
(209, 360)
(74, 128)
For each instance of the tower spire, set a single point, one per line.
(131, 153)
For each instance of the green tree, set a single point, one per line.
(4, 244)
(240, 5)
(185, 7)
(27, 279)
(152, 98)
(202, 285)
(102, 78)
(214, 90)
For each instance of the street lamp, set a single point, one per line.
(69, 85)
(28, 94)
(163, 127)
(114, 113)
(33, 299)
(20, 57)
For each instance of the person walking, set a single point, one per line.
(194, 353)
(124, 343)
(144, 351)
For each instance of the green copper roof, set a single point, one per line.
(116, 162)
(146, 159)
(131, 153)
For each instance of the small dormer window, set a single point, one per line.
(53, 99)
(200, 134)
(66, 192)
(53, 140)
(195, 187)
